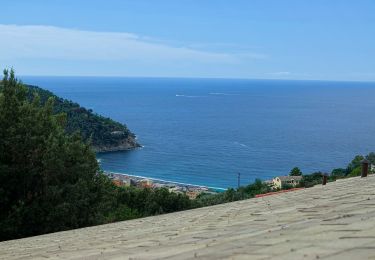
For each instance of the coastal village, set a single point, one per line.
(193, 191)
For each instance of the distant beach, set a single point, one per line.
(164, 183)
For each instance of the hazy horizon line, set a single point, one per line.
(197, 78)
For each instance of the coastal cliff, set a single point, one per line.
(104, 134)
(124, 144)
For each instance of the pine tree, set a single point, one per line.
(49, 181)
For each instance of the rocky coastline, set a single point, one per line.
(126, 144)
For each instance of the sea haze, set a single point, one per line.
(206, 131)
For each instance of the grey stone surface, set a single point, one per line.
(336, 221)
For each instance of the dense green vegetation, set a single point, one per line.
(354, 167)
(49, 181)
(101, 131)
(352, 170)
(244, 192)
(295, 172)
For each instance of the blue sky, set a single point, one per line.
(289, 39)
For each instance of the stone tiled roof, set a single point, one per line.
(336, 221)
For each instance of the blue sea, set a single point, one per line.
(206, 131)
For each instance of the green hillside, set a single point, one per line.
(105, 133)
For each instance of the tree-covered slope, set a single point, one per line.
(105, 133)
(50, 180)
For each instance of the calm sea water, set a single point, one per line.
(206, 131)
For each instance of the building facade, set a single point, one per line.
(284, 181)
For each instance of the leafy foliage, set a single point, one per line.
(310, 180)
(352, 170)
(371, 158)
(295, 172)
(245, 192)
(354, 165)
(338, 173)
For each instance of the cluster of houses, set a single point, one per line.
(192, 192)
(122, 180)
